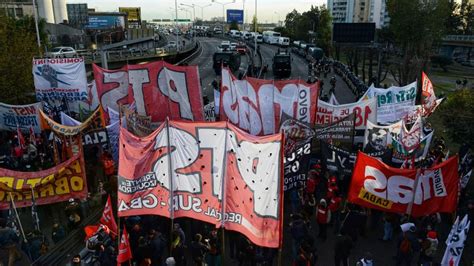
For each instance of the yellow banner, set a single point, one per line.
(71, 130)
(375, 200)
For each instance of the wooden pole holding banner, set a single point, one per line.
(417, 180)
(282, 193)
(224, 172)
(170, 175)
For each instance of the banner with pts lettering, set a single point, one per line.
(213, 172)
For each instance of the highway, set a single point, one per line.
(299, 69)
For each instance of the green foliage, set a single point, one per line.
(18, 46)
(254, 25)
(416, 25)
(457, 114)
(317, 19)
(233, 25)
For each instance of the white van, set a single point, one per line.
(259, 38)
(284, 41)
(235, 33)
(271, 37)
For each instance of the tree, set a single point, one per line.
(234, 25)
(457, 114)
(254, 23)
(416, 26)
(18, 46)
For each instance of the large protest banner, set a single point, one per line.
(378, 138)
(392, 103)
(212, 172)
(297, 151)
(20, 116)
(379, 186)
(158, 89)
(401, 154)
(428, 97)
(364, 111)
(420, 110)
(257, 105)
(60, 78)
(60, 183)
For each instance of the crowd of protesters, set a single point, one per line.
(356, 85)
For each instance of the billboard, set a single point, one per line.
(236, 15)
(353, 32)
(105, 22)
(133, 13)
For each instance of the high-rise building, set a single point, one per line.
(341, 10)
(78, 15)
(17, 9)
(356, 11)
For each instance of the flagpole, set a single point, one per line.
(282, 194)
(417, 180)
(34, 211)
(170, 175)
(224, 173)
(18, 217)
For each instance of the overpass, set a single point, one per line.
(461, 43)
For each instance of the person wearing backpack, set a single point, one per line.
(407, 245)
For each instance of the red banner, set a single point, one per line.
(208, 162)
(379, 186)
(158, 89)
(60, 183)
(257, 105)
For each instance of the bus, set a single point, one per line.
(271, 37)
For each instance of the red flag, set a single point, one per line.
(428, 97)
(21, 139)
(124, 251)
(90, 230)
(108, 217)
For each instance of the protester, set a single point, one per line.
(157, 245)
(9, 241)
(323, 216)
(299, 230)
(342, 249)
(407, 247)
(58, 232)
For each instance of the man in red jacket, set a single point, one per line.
(323, 216)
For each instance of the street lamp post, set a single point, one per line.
(194, 15)
(176, 24)
(255, 29)
(202, 9)
(223, 12)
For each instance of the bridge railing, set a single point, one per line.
(464, 38)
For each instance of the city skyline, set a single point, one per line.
(279, 8)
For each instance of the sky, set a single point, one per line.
(267, 10)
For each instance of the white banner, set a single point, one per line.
(393, 103)
(465, 179)
(378, 138)
(364, 111)
(411, 138)
(60, 78)
(333, 100)
(209, 112)
(21, 116)
(455, 242)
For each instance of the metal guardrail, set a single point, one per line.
(469, 38)
(193, 55)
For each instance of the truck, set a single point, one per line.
(281, 64)
(227, 59)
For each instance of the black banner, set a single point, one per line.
(297, 166)
(338, 133)
(95, 137)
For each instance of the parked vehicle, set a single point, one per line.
(271, 37)
(241, 48)
(62, 51)
(226, 59)
(235, 33)
(284, 41)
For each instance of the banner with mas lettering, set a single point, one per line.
(379, 186)
(363, 111)
(257, 105)
(60, 183)
(393, 103)
(159, 90)
(60, 79)
(213, 172)
(20, 116)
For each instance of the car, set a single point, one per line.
(233, 46)
(241, 48)
(171, 44)
(62, 51)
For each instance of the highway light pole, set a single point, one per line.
(194, 15)
(223, 12)
(255, 30)
(38, 40)
(176, 24)
(202, 10)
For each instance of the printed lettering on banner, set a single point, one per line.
(60, 183)
(376, 185)
(363, 111)
(209, 112)
(20, 116)
(159, 89)
(60, 78)
(393, 103)
(378, 138)
(257, 105)
(202, 156)
(456, 241)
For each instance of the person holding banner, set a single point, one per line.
(9, 241)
